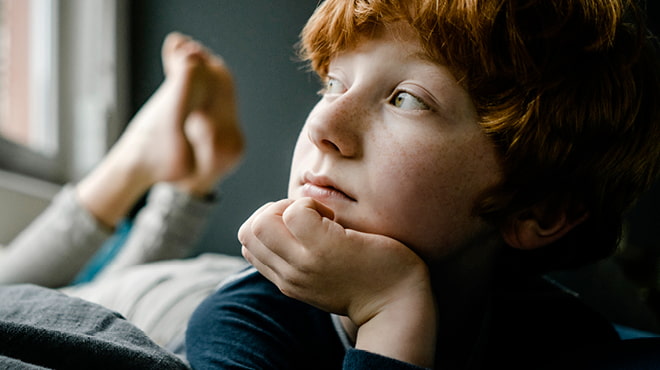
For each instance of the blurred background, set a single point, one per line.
(73, 72)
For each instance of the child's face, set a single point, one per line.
(394, 148)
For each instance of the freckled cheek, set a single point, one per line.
(420, 188)
(428, 203)
(414, 191)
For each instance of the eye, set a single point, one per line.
(333, 86)
(408, 101)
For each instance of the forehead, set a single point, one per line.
(400, 35)
(405, 47)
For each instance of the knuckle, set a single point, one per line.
(259, 222)
(291, 293)
(289, 215)
(292, 284)
(308, 262)
(259, 227)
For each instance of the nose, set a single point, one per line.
(337, 127)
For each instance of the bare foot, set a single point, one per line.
(187, 133)
(211, 127)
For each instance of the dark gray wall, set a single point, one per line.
(256, 38)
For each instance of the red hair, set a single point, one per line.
(568, 90)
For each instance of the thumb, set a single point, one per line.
(306, 218)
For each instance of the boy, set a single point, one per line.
(459, 150)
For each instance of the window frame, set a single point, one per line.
(86, 93)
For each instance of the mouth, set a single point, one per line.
(323, 188)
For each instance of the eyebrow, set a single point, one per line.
(427, 58)
(424, 56)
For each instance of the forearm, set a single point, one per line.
(55, 246)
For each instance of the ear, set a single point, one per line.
(535, 227)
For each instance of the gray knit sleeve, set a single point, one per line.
(55, 246)
(167, 227)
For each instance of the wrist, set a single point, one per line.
(405, 329)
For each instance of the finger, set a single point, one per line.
(262, 267)
(283, 282)
(265, 256)
(259, 256)
(270, 230)
(253, 249)
(319, 207)
(264, 233)
(245, 231)
(307, 220)
(245, 227)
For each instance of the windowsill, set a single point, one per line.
(22, 199)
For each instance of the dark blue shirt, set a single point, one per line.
(249, 324)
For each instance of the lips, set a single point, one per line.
(323, 188)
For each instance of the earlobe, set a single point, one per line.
(532, 228)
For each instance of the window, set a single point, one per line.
(26, 78)
(62, 65)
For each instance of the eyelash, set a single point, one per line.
(420, 101)
(425, 106)
(326, 86)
